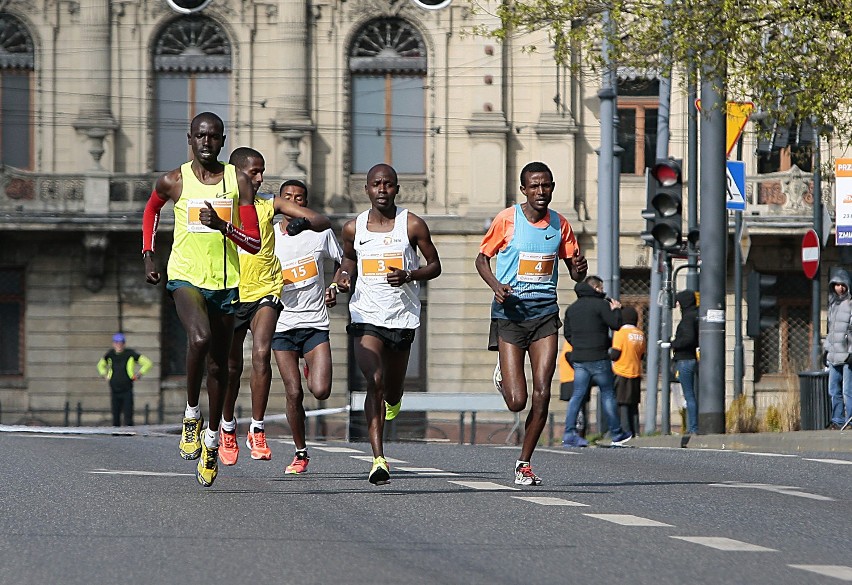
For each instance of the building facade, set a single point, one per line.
(96, 99)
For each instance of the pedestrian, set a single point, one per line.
(303, 326)
(204, 273)
(588, 322)
(258, 309)
(380, 247)
(628, 349)
(119, 367)
(684, 350)
(528, 240)
(838, 348)
(566, 386)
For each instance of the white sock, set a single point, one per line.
(256, 425)
(211, 438)
(518, 463)
(192, 411)
(229, 425)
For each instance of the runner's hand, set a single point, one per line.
(502, 292)
(298, 225)
(211, 219)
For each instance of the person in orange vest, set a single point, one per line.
(628, 348)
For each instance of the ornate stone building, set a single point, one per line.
(96, 98)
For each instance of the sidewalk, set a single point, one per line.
(791, 442)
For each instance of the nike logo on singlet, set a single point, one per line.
(550, 237)
(362, 242)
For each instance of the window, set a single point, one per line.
(638, 101)
(780, 146)
(11, 321)
(784, 350)
(192, 61)
(17, 60)
(388, 66)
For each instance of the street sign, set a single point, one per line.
(843, 202)
(810, 253)
(735, 121)
(735, 198)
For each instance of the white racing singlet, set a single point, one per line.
(374, 301)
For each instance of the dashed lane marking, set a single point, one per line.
(767, 454)
(728, 544)
(627, 520)
(335, 449)
(549, 501)
(432, 471)
(142, 473)
(837, 571)
(484, 485)
(832, 461)
(779, 489)
(369, 458)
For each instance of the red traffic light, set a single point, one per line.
(667, 173)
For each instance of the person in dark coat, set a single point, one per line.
(588, 322)
(837, 347)
(684, 348)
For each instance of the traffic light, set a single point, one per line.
(188, 6)
(664, 207)
(761, 305)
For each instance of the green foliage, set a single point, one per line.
(790, 57)
(773, 420)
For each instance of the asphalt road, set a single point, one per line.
(116, 509)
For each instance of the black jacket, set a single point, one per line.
(685, 341)
(587, 324)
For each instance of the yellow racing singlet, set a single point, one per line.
(260, 274)
(201, 256)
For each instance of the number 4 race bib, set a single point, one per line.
(534, 267)
(300, 273)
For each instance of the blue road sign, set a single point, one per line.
(735, 192)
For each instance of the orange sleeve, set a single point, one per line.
(569, 240)
(499, 234)
(618, 339)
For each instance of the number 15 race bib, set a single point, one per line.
(533, 267)
(300, 273)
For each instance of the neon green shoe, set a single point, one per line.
(379, 474)
(190, 438)
(208, 465)
(391, 410)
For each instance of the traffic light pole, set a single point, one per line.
(816, 284)
(739, 359)
(665, 345)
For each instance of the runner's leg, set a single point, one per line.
(514, 378)
(235, 372)
(192, 312)
(543, 362)
(288, 367)
(368, 352)
(262, 330)
(222, 330)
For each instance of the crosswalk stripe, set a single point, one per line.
(721, 543)
(483, 485)
(836, 571)
(426, 470)
(335, 449)
(369, 459)
(834, 461)
(767, 454)
(778, 489)
(134, 472)
(627, 520)
(548, 501)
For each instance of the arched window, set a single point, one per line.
(387, 62)
(192, 65)
(17, 61)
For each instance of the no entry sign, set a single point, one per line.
(810, 253)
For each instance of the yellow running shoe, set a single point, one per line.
(190, 438)
(391, 410)
(379, 474)
(208, 465)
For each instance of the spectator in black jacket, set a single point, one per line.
(684, 346)
(588, 323)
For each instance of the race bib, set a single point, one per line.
(379, 264)
(300, 273)
(224, 208)
(533, 267)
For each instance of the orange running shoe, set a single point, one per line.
(256, 441)
(229, 450)
(300, 463)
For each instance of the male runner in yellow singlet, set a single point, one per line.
(214, 213)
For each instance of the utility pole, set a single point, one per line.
(816, 284)
(606, 154)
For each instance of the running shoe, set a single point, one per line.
(190, 438)
(498, 378)
(391, 410)
(524, 475)
(379, 474)
(256, 441)
(208, 465)
(229, 450)
(300, 463)
(620, 439)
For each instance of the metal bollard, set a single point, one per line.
(67, 414)
(79, 414)
(473, 427)
(147, 413)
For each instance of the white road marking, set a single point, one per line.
(425, 470)
(56, 437)
(557, 451)
(483, 485)
(767, 454)
(721, 543)
(335, 449)
(834, 461)
(549, 501)
(627, 520)
(779, 489)
(369, 458)
(142, 473)
(836, 571)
